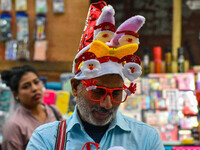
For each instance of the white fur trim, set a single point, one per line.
(106, 68)
(127, 72)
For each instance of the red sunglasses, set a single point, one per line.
(99, 93)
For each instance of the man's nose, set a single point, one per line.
(107, 102)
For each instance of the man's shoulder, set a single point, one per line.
(47, 128)
(135, 124)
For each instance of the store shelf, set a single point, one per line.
(172, 143)
(46, 66)
(51, 69)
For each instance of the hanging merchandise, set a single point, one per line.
(11, 50)
(5, 97)
(62, 101)
(40, 23)
(5, 27)
(40, 50)
(49, 97)
(20, 5)
(181, 59)
(58, 6)
(22, 26)
(22, 50)
(157, 52)
(168, 60)
(6, 5)
(146, 61)
(41, 6)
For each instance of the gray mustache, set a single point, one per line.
(102, 110)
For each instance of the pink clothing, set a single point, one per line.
(19, 128)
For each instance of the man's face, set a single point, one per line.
(101, 112)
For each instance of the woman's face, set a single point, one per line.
(30, 92)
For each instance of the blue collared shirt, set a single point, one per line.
(123, 131)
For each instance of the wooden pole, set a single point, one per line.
(176, 32)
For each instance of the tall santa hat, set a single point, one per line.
(105, 49)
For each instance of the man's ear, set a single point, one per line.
(74, 85)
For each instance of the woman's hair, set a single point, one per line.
(13, 76)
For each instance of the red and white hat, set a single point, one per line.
(105, 49)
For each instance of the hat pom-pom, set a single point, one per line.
(132, 71)
(90, 68)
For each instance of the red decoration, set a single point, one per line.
(89, 82)
(127, 32)
(106, 26)
(105, 35)
(132, 69)
(85, 56)
(131, 88)
(95, 11)
(89, 55)
(107, 58)
(131, 58)
(129, 40)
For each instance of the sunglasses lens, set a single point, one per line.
(119, 96)
(98, 93)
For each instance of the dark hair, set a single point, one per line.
(13, 76)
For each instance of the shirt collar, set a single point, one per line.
(118, 121)
(73, 120)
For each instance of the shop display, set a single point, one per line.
(40, 49)
(6, 5)
(40, 25)
(181, 59)
(23, 50)
(186, 81)
(186, 147)
(5, 27)
(168, 103)
(62, 101)
(58, 6)
(5, 97)
(11, 50)
(168, 60)
(65, 79)
(157, 53)
(41, 6)
(146, 62)
(22, 26)
(7, 105)
(49, 97)
(20, 5)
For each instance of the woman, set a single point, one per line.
(28, 90)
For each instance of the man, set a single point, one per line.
(100, 69)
